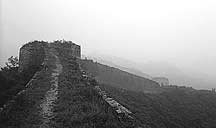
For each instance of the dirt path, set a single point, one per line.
(51, 95)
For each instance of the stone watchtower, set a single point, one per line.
(31, 55)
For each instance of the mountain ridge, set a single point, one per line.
(176, 75)
(72, 92)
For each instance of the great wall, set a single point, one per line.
(46, 56)
(66, 91)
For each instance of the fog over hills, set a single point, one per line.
(177, 76)
(149, 64)
(121, 64)
(178, 32)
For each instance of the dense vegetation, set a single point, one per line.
(177, 108)
(24, 112)
(12, 81)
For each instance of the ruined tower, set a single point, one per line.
(32, 54)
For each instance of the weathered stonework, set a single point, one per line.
(125, 116)
(31, 55)
(69, 48)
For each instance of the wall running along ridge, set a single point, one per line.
(123, 114)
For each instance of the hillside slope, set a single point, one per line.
(118, 78)
(60, 96)
(176, 108)
(170, 107)
(106, 60)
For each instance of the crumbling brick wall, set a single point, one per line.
(69, 48)
(31, 55)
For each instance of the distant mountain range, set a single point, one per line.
(177, 76)
(118, 78)
(121, 67)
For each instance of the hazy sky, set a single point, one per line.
(182, 32)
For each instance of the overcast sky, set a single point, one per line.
(182, 32)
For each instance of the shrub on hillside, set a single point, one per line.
(12, 81)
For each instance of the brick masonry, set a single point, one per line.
(32, 54)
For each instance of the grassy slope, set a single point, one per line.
(24, 111)
(118, 78)
(78, 104)
(171, 109)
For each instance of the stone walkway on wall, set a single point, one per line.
(63, 98)
(51, 95)
(33, 107)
